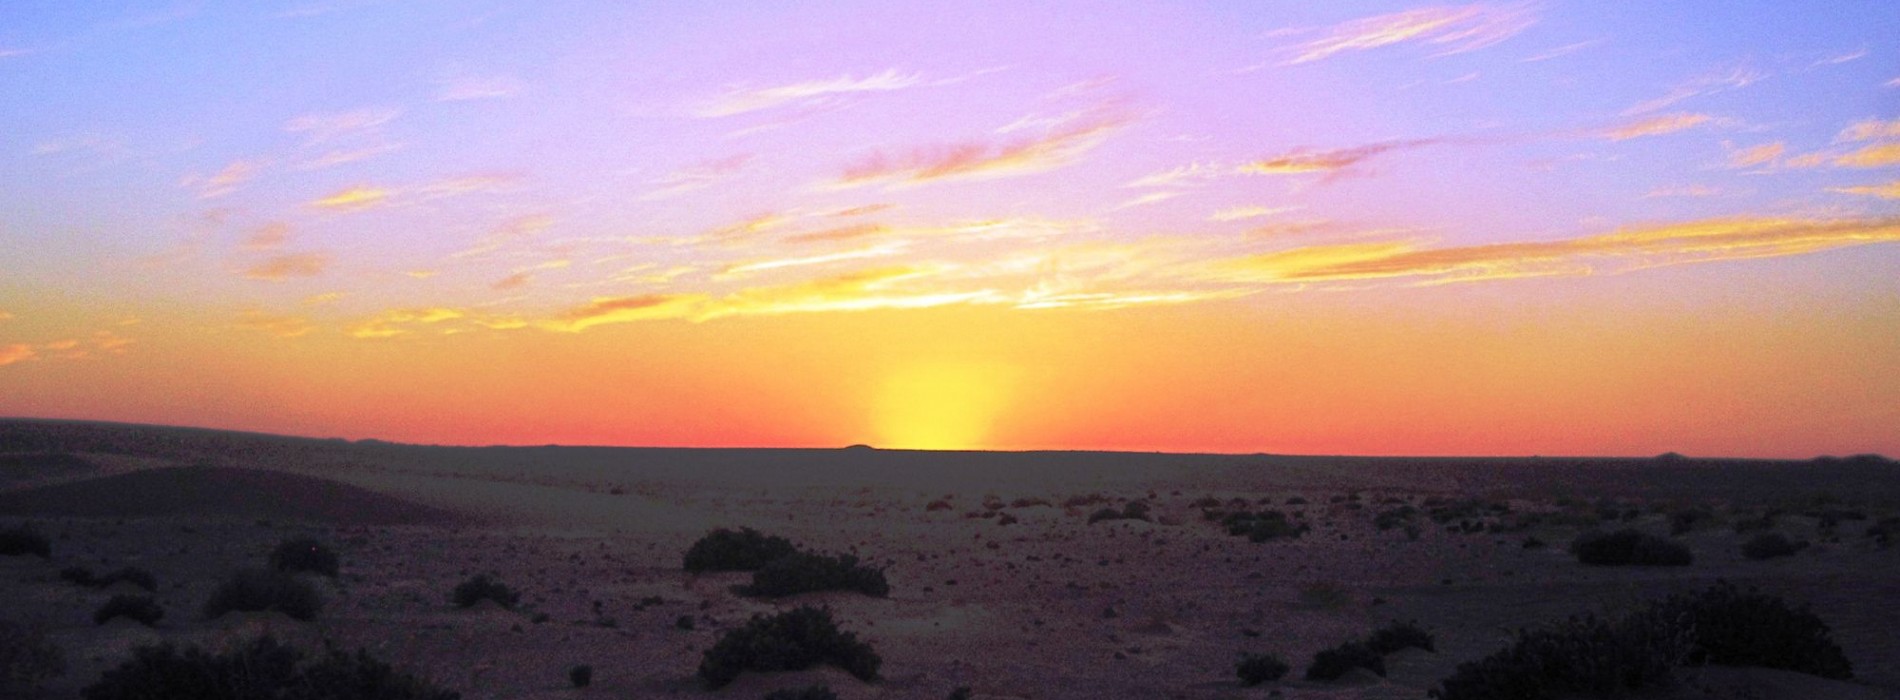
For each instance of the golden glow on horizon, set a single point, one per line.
(940, 406)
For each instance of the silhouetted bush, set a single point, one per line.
(304, 555)
(1135, 510)
(810, 692)
(1262, 526)
(1255, 669)
(1629, 548)
(744, 549)
(581, 676)
(1593, 656)
(803, 572)
(254, 590)
(1332, 663)
(1769, 545)
(24, 539)
(1400, 635)
(1883, 531)
(27, 660)
(138, 608)
(793, 640)
(262, 669)
(83, 576)
(1397, 517)
(483, 587)
(78, 575)
(1689, 519)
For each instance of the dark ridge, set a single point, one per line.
(219, 492)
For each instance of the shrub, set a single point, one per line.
(811, 692)
(581, 676)
(804, 572)
(1135, 510)
(24, 539)
(483, 587)
(1629, 548)
(1397, 517)
(1255, 669)
(1769, 545)
(304, 555)
(83, 576)
(1332, 663)
(793, 640)
(1733, 627)
(1689, 519)
(1400, 635)
(262, 668)
(255, 590)
(78, 575)
(138, 608)
(27, 660)
(735, 550)
(1883, 531)
(1262, 526)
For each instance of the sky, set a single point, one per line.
(1577, 228)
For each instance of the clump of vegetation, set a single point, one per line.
(811, 692)
(804, 572)
(1686, 520)
(262, 668)
(1883, 531)
(138, 608)
(1396, 517)
(581, 676)
(27, 660)
(1597, 656)
(1444, 511)
(1769, 545)
(1332, 663)
(1629, 547)
(21, 540)
(744, 549)
(304, 555)
(133, 575)
(1255, 669)
(793, 640)
(1400, 635)
(1259, 526)
(255, 590)
(483, 587)
(1761, 523)
(1135, 510)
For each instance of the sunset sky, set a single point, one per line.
(1583, 227)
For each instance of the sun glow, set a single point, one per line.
(940, 406)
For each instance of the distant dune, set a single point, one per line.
(224, 491)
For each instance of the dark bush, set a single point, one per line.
(255, 590)
(1262, 526)
(1400, 635)
(581, 676)
(1332, 663)
(1135, 510)
(304, 556)
(793, 640)
(27, 661)
(1769, 545)
(1397, 517)
(811, 692)
(483, 587)
(1732, 627)
(1255, 669)
(24, 539)
(803, 572)
(1689, 519)
(1629, 548)
(132, 575)
(262, 669)
(744, 549)
(138, 608)
(78, 575)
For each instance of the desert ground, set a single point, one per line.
(998, 580)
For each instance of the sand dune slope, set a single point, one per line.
(222, 492)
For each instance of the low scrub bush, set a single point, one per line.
(1883, 531)
(1255, 669)
(1397, 517)
(27, 661)
(793, 640)
(304, 556)
(803, 572)
(1769, 545)
(581, 676)
(1260, 526)
(254, 590)
(1735, 627)
(21, 540)
(138, 608)
(810, 692)
(262, 669)
(483, 587)
(133, 575)
(1332, 663)
(744, 549)
(1629, 548)
(1135, 510)
(1400, 635)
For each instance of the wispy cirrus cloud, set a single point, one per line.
(1058, 146)
(1733, 77)
(1654, 126)
(1870, 130)
(1303, 161)
(1756, 156)
(743, 100)
(1246, 212)
(279, 325)
(1453, 29)
(352, 199)
(283, 267)
(223, 182)
(395, 322)
(609, 310)
(1878, 155)
(1890, 190)
(12, 353)
(326, 126)
(465, 88)
(697, 176)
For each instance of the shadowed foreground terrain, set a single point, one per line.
(1011, 575)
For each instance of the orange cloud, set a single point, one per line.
(280, 326)
(1890, 190)
(268, 236)
(606, 310)
(353, 199)
(514, 281)
(972, 160)
(15, 352)
(842, 233)
(1300, 161)
(855, 291)
(1655, 126)
(858, 254)
(1251, 212)
(1457, 29)
(223, 182)
(1765, 154)
(1876, 156)
(285, 267)
(1869, 130)
(395, 322)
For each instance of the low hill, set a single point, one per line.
(219, 492)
